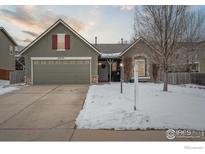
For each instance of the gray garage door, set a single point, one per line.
(61, 72)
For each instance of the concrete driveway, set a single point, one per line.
(38, 113)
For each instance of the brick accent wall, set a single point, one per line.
(28, 80)
(4, 74)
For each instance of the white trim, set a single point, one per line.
(136, 43)
(31, 71)
(61, 58)
(60, 50)
(142, 77)
(53, 26)
(91, 77)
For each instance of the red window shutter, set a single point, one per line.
(54, 41)
(67, 41)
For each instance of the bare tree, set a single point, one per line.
(127, 68)
(162, 27)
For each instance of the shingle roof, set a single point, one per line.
(111, 48)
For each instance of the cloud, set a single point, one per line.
(126, 7)
(26, 40)
(35, 19)
(30, 33)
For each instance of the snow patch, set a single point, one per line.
(5, 87)
(106, 108)
(110, 55)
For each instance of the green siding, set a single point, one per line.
(7, 61)
(43, 48)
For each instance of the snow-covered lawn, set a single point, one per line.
(105, 108)
(5, 87)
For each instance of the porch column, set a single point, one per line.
(110, 61)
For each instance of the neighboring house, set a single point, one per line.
(185, 58)
(201, 57)
(7, 54)
(60, 55)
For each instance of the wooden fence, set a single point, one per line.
(198, 78)
(17, 76)
(184, 78)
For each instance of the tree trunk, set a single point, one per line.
(165, 88)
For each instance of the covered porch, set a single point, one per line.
(109, 70)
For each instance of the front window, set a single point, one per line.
(195, 67)
(141, 67)
(61, 42)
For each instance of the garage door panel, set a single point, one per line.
(61, 68)
(75, 72)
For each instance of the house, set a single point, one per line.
(61, 55)
(201, 57)
(7, 54)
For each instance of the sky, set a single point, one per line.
(109, 23)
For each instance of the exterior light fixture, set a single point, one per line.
(121, 64)
(99, 63)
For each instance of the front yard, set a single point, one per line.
(105, 108)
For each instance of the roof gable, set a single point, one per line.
(137, 41)
(9, 36)
(60, 21)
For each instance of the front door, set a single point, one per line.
(103, 71)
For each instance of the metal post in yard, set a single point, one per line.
(136, 91)
(121, 78)
(121, 89)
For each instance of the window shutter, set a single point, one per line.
(54, 41)
(67, 41)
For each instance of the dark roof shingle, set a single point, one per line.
(111, 48)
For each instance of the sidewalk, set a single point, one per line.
(113, 135)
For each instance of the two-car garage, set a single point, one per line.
(63, 70)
